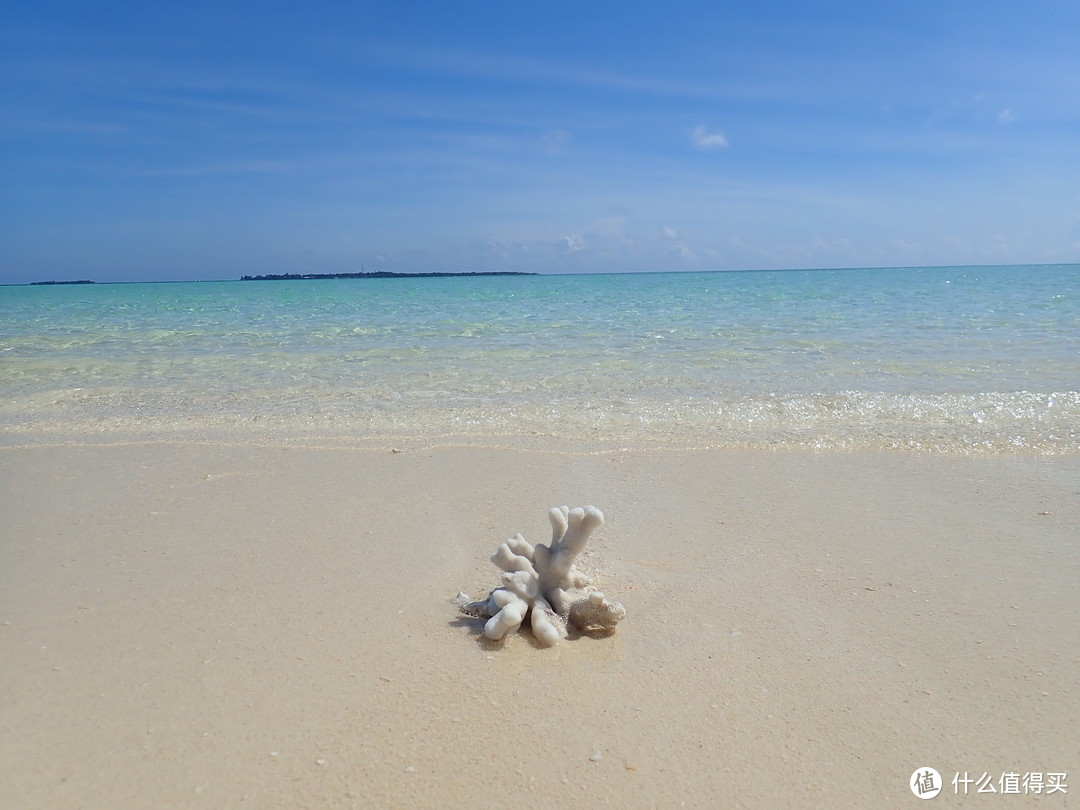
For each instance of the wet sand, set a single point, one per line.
(212, 625)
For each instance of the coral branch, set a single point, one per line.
(541, 584)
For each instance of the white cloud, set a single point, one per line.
(902, 247)
(572, 243)
(1006, 116)
(683, 252)
(821, 245)
(493, 247)
(678, 246)
(703, 139)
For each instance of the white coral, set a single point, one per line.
(542, 585)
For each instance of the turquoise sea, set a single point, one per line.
(956, 359)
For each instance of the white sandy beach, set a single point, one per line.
(187, 625)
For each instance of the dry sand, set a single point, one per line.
(227, 626)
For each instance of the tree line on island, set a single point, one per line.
(376, 274)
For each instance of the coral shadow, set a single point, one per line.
(475, 628)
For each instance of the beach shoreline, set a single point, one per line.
(217, 624)
(943, 360)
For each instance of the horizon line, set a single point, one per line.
(345, 276)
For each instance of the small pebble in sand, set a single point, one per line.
(596, 756)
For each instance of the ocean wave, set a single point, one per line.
(982, 423)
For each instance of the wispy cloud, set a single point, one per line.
(677, 247)
(237, 167)
(1006, 116)
(555, 140)
(903, 247)
(505, 67)
(73, 127)
(573, 243)
(702, 138)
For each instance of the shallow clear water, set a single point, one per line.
(958, 359)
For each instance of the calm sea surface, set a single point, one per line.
(954, 359)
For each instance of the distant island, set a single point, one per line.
(80, 281)
(379, 274)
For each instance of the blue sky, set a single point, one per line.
(208, 140)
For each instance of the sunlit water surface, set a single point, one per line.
(956, 359)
